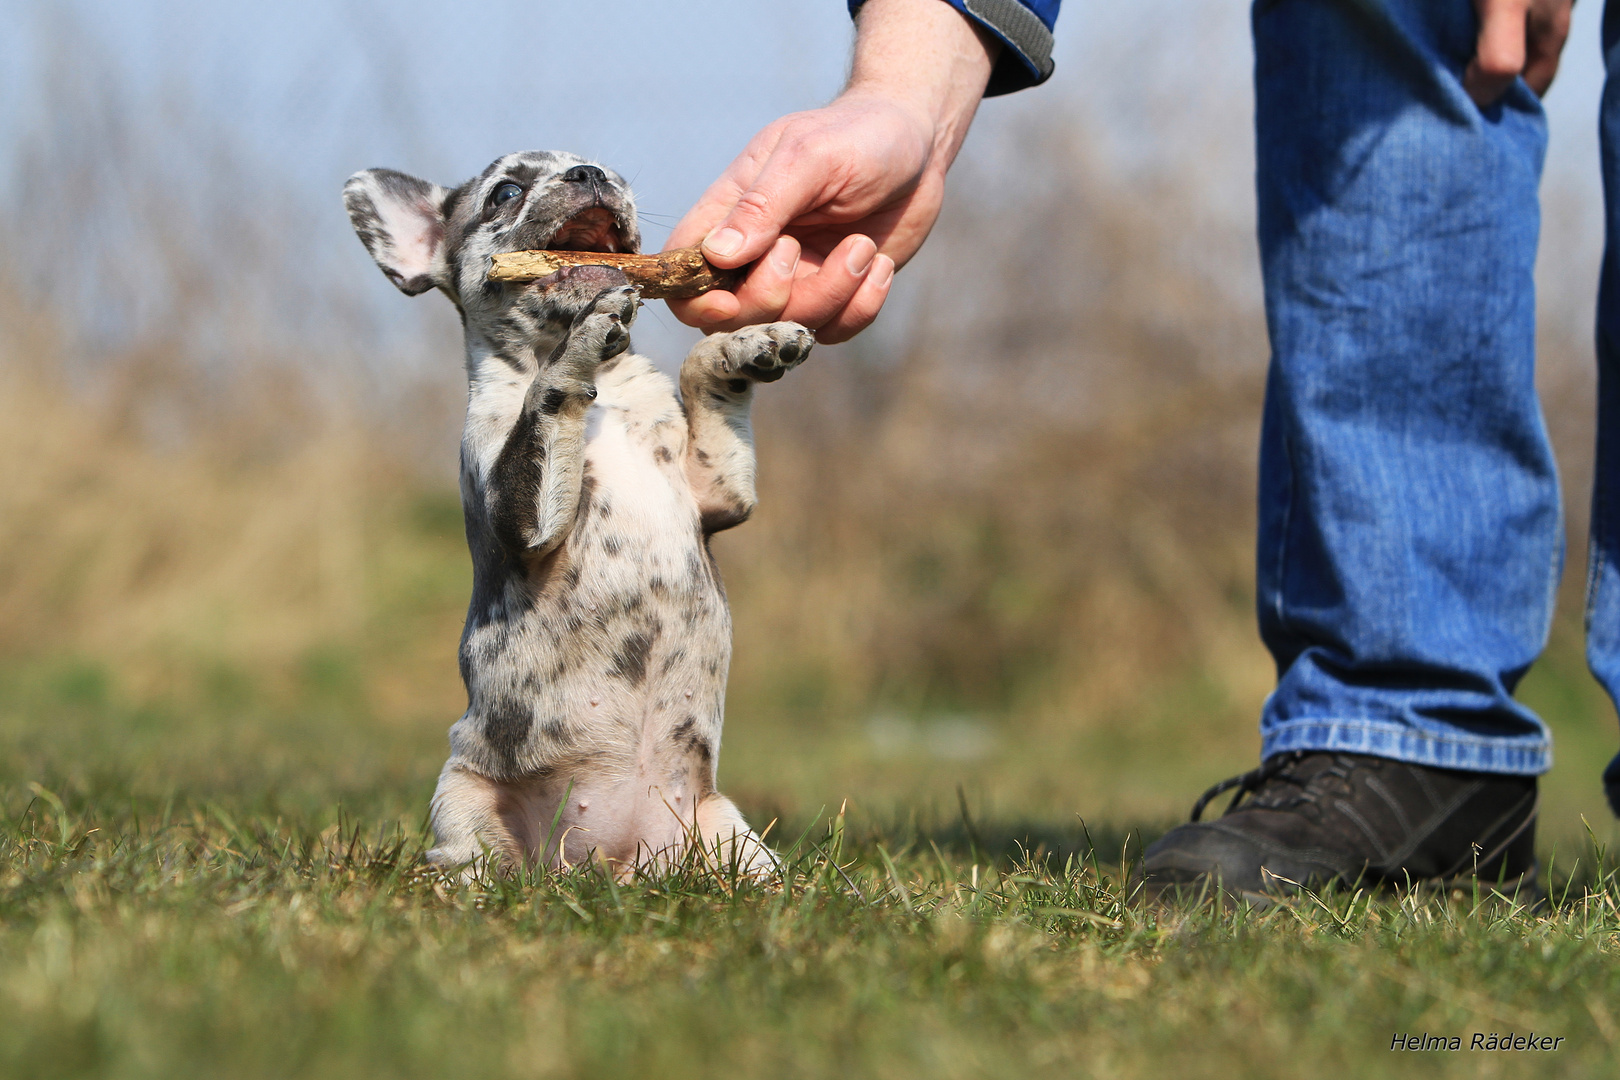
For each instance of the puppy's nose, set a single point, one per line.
(581, 174)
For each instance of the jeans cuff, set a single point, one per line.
(1517, 755)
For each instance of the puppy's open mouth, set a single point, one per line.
(589, 230)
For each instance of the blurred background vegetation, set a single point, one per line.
(1004, 539)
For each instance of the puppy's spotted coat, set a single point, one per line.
(598, 638)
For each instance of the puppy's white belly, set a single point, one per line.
(625, 469)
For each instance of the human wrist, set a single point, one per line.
(927, 59)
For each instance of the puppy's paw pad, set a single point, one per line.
(605, 325)
(621, 301)
(766, 353)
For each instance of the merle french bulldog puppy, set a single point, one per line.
(598, 638)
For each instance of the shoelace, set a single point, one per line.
(1275, 767)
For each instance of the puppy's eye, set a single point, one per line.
(505, 193)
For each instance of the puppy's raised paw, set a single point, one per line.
(603, 330)
(766, 353)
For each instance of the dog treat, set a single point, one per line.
(669, 275)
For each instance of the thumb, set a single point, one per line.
(786, 188)
(1499, 52)
(1500, 49)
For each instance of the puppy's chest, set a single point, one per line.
(635, 437)
(640, 568)
(635, 505)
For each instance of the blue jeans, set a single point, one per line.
(1603, 574)
(1410, 535)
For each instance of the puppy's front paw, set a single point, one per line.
(766, 353)
(602, 330)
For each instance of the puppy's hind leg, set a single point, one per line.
(479, 822)
(717, 388)
(728, 843)
(467, 827)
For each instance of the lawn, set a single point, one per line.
(231, 888)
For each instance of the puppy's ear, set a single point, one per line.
(400, 219)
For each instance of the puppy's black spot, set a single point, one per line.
(702, 457)
(687, 737)
(506, 726)
(663, 454)
(674, 658)
(685, 734)
(514, 486)
(612, 544)
(630, 662)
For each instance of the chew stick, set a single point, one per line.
(678, 274)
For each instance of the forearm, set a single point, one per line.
(928, 58)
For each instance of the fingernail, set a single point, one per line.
(785, 258)
(883, 274)
(860, 259)
(724, 242)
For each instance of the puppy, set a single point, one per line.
(598, 638)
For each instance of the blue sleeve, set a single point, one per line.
(1024, 28)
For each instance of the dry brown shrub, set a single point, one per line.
(1044, 504)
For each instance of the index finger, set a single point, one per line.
(793, 180)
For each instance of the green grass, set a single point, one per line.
(182, 938)
(225, 883)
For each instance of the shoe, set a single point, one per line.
(1316, 819)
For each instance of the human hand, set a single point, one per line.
(834, 200)
(1516, 37)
